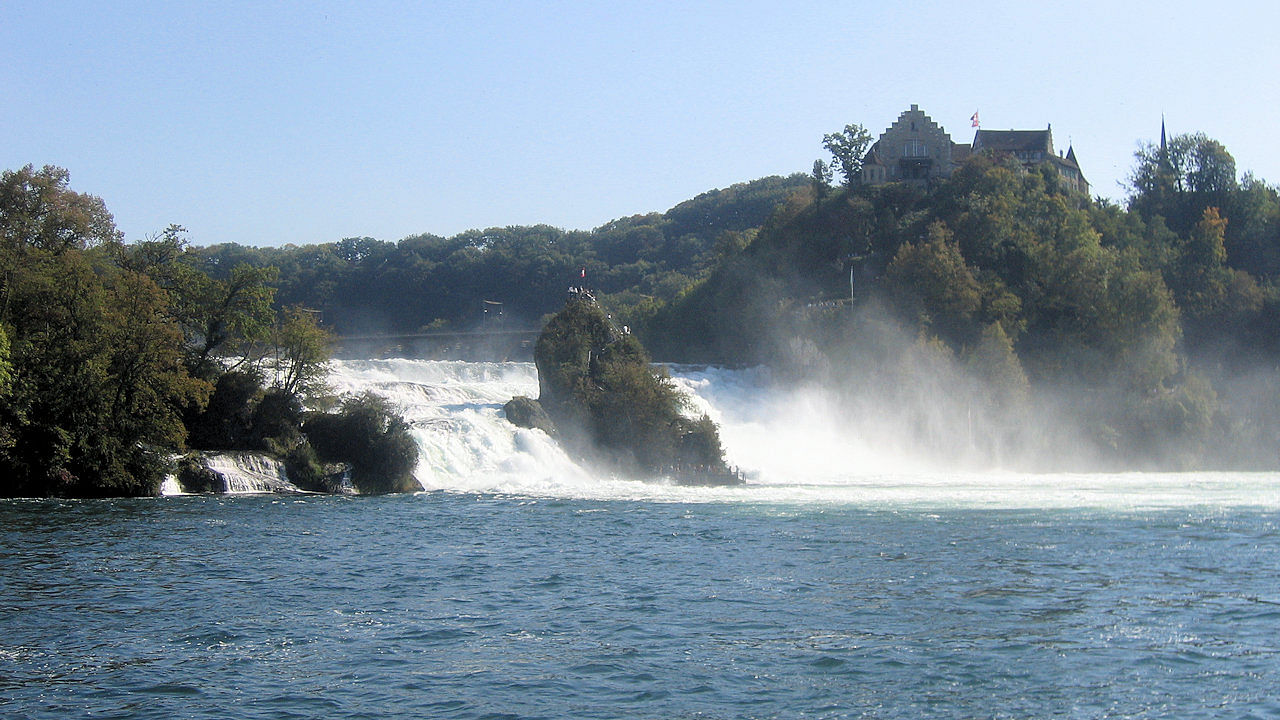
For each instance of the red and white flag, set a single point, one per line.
(974, 120)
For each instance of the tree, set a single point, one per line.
(993, 361)
(95, 373)
(6, 365)
(225, 317)
(821, 177)
(935, 287)
(1179, 179)
(301, 352)
(38, 210)
(97, 380)
(848, 148)
(220, 316)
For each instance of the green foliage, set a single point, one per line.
(226, 317)
(634, 264)
(38, 211)
(305, 470)
(821, 177)
(225, 422)
(301, 353)
(1176, 184)
(847, 148)
(276, 421)
(6, 363)
(1178, 181)
(97, 379)
(372, 438)
(598, 380)
(934, 286)
(222, 318)
(569, 343)
(994, 363)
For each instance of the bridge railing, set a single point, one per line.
(473, 345)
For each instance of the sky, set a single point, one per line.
(266, 123)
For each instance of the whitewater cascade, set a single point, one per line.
(793, 444)
(250, 473)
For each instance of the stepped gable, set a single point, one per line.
(917, 150)
(914, 149)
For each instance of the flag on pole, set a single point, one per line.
(973, 121)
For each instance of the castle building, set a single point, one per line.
(916, 149)
(1032, 147)
(913, 149)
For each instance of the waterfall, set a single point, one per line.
(170, 486)
(250, 473)
(455, 410)
(795, 444)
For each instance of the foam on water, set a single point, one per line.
(785, 440)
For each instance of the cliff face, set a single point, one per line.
(598, 389)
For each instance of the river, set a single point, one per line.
(844, 580)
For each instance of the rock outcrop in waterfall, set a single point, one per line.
(600, 398)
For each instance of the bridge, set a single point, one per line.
(473, 345)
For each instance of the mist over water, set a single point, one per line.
(797, 443)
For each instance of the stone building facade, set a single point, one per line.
(917, 150)
(913, 149)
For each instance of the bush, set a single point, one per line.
(304, 469)
(276, 420)
(369, 435)
(225, 422)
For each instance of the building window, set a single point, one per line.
(914, 149)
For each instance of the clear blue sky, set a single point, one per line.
(273, 122)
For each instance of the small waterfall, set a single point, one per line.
(170, 486)
(250, 473)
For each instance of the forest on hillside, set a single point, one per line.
(426, 282)
(1076, 331)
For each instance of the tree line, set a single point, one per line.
(424, 282)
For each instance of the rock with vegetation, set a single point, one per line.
(597, 387)
(195, 476)
(367, 434)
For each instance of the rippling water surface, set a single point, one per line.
(475, 605)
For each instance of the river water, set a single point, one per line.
(837, 583)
